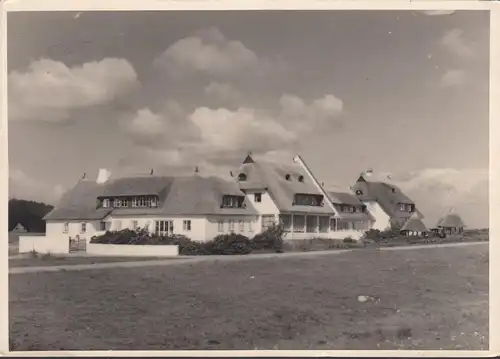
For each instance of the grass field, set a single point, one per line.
(423, 299)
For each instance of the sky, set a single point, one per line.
(400, 92)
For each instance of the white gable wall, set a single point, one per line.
(382, 219)
(55, 229)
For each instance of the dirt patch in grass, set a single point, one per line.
(421, 299)
(44, 261)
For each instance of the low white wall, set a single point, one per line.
(43, 244)
(125, 250)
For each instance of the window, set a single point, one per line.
(66, 227)
(311, 224)
(288, 177)
(308, 200)
(135, 224)
(242, 226)
(406, 207)
(105, 203)
(257, 197)
(333, 226)
(120, 203)
(118, 225)
(267, 221)
(299, 222)
(324, 224)
(359, 192)
(144, 201)
(232, 201)
(164, 228)
(342, 226)
(250, 226)
(231, 225)
(104, 226)
(220, 226)
(83, 228)
(301, 178)
(186, 225)
(242, 177)
(286, 221)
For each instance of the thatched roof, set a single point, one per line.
(273, 177)
(451, 220)
(341, 197)
(387, 195)
(414, 224)
(188, 195)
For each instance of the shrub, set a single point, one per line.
(348, 240)
(229, 244)
(143, 237)
(271, 238)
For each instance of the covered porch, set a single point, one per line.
(307, 225)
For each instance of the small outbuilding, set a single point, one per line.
(451, 223)
(414, 226)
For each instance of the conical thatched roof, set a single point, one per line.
(451, 220)
(19, 228)
(414, 224)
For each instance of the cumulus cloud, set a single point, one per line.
(23, 186)
(453, 78)
(436, 190)
(209, 52)
(438, 12)
(222, 94)
(49, 90)
(220, 135)
(455, 42)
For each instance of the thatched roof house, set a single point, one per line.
(451, 223)
(414, 225)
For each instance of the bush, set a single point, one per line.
(229, 244)
(271, 238)
(143, 237)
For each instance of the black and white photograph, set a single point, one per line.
(248, 179)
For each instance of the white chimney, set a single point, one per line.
(103, 175)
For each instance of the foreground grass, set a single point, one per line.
(423, 299)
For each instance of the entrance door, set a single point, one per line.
(164, 228)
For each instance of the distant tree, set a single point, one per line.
(29, 213)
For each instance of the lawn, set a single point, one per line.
(422, 299)
(44, 260)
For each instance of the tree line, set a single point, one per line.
(28, 213)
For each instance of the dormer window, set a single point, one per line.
(288, 177)
(359, 192)
(242, 177)
(404, 207)
(301, 178)
(121, 202)
(393, 190)
(308, 200)
(232, 202)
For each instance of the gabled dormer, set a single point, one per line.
(233, 201)
(305, 199)
(149, 201)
